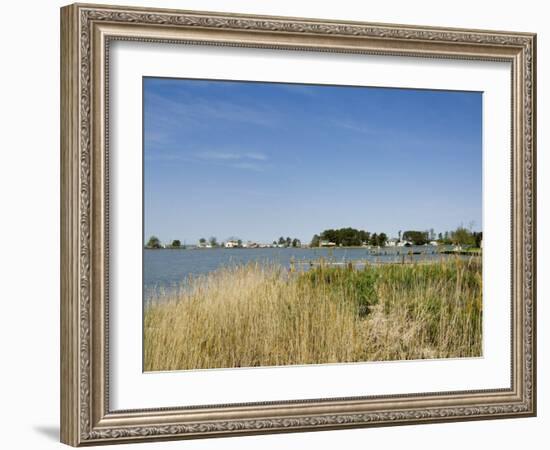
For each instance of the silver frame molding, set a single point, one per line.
(86, 33)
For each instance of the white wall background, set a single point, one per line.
(29, 224)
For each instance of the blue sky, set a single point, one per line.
(263, 160)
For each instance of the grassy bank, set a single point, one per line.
(257, 315)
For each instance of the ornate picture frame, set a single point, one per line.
(87, 31)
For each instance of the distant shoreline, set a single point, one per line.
(467, 250)
(400, 251)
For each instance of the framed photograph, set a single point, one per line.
(276, 224)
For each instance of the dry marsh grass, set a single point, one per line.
(262, 315)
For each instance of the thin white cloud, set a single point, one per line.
(231, 156)
(354, 126)
(257, 156)
(255, 161)
(219, 156)
(248, 166)
(186, 107)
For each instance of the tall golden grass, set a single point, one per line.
(262, 315)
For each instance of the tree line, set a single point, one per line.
(349, 237)
(287, 242)
(461, 236)
(154, 242)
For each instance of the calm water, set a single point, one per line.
(167, 269)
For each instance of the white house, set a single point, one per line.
(391, 242)
(231, 244)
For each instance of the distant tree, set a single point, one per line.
(288, 242)
(274, 242)
(364, 237)
(176, 243)
(213, 241)
(331, 236)
(440, 236)
(446, 237)
(296, 243)
(399, 235)
(239, 242)
(202, 241)
(153, 242)
(416, 237)
(463, 236)
(345, 237)
(315, 241)
(282, 241)
(350, 237)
